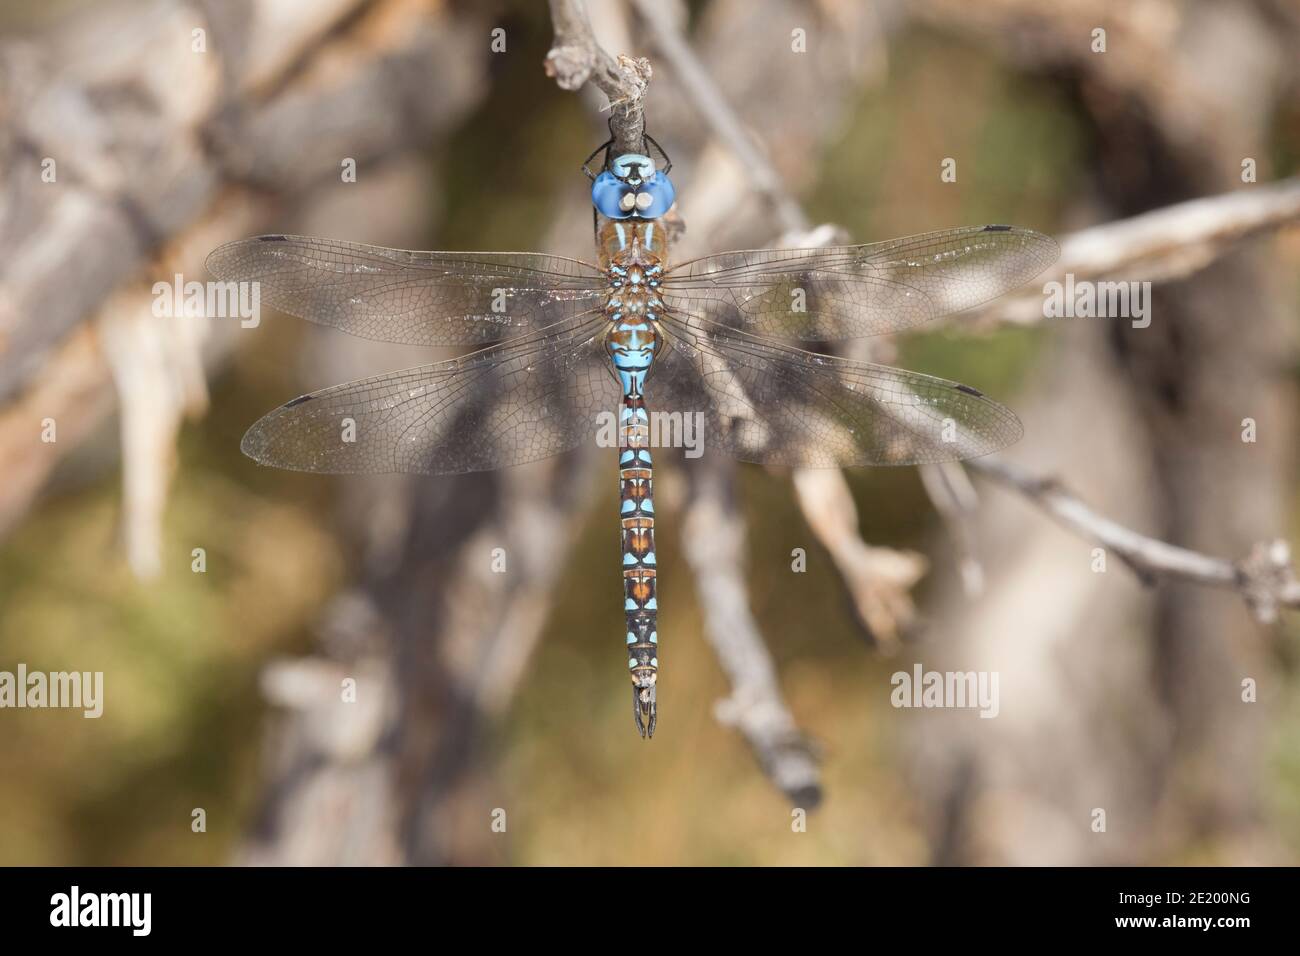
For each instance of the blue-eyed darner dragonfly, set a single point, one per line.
(567, 342)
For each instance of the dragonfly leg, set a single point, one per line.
(667, 160)
(605, 165)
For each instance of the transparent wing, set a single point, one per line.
(845, 292)
(764, 402)
(413, 298)
(519, 401)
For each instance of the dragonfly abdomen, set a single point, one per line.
(631, 343)
(640, 604)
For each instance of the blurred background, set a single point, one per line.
(480, 692)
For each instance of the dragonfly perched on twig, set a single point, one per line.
(567, 344)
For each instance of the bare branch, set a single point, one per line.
(576, 58)
(1266, 577)
(275, 125)
(953, 496)
(879, 579)
(158, 373)
(1169, 243)
(714, 542)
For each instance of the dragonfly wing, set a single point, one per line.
(412, 298)
(845, 292)
(769, 403)
(511, 403)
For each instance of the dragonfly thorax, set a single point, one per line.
(633, 307)
(631, 253)
(630, 242)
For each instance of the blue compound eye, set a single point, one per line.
(655, 198)
(607, 195)
(616, 199)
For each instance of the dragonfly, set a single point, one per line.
(570, 352)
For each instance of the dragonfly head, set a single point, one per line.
(632, 187)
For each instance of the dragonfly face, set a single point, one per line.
(632, 188)
(708, 338)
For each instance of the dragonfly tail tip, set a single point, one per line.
(644, 710)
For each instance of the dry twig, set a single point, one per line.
(1165, 244)
(1265, 578)
(576, 58)
(714, 542)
